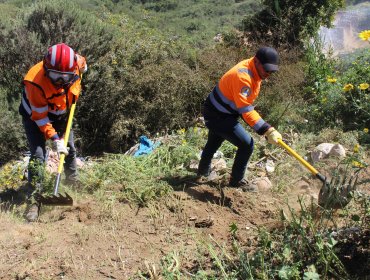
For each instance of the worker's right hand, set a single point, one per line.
(59, 147)
(273, 136)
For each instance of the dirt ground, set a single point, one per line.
(114, 240)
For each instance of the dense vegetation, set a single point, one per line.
(145, 81)
(151, 63)
(285, 23)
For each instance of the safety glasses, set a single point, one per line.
(60, 78)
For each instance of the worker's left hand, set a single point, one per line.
(273, 136)
(59, 147)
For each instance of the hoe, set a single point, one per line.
(335, 194)
(55, 198)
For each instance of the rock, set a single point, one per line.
(218, 38)
(193, 165)
(337, 151)
(218, 154)
(218, 164)
(263, 183)
(325, 150)
(79, 163)
(270, 166)
(321, 151)
(52, 162)
(213, 176)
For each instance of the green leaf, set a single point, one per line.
(331, 242)
(311, 274)
(284, 273)
(287, 253)
(233, 228)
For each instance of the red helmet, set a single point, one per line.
(61, 58)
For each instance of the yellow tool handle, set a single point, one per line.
(298, 157)
(66, 136)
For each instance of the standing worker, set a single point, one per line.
(232, 97)
(50, 88)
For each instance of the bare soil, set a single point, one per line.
(108, 239)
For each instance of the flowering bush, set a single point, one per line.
(365, 35)
(340, 93)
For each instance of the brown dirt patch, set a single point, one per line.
(111, 240)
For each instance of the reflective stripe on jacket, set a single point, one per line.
(43, 102)
(236, 91)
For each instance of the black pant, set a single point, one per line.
(36, 141)
(222, 127)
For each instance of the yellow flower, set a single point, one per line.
(356, 148)
(331, 80)
(348, 87)
(364, 86)
(357, 164)
(364, 35)
(366, 130)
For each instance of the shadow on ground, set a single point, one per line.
(212, 190)
(10, 198)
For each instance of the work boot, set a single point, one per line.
(244, 185)
(32, 212)
(72, 182)
(204, 170)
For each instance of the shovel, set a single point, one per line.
(55, 198)
(334, 194)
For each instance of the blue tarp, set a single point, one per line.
(146, 146)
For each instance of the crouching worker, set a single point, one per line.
(50, 88)
(232, 97)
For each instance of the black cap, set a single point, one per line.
(269, 59)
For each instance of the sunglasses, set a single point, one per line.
(60, 78)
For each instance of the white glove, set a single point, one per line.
(273, 136)
(59, 147)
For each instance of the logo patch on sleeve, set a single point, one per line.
(246, 91)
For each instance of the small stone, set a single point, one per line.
(263, 183)
(270, 166)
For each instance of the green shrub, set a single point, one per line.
(142, 82)
(137, 83)
(23, 45)
(11, 135)
(338, 91)
(288, 22)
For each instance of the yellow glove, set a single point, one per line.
(273, 135)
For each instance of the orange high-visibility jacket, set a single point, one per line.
(44, 103)
(236, 91)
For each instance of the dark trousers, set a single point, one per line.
(36, 141)
(227, 128)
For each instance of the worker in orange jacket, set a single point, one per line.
(50, 88)
(232, 97)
